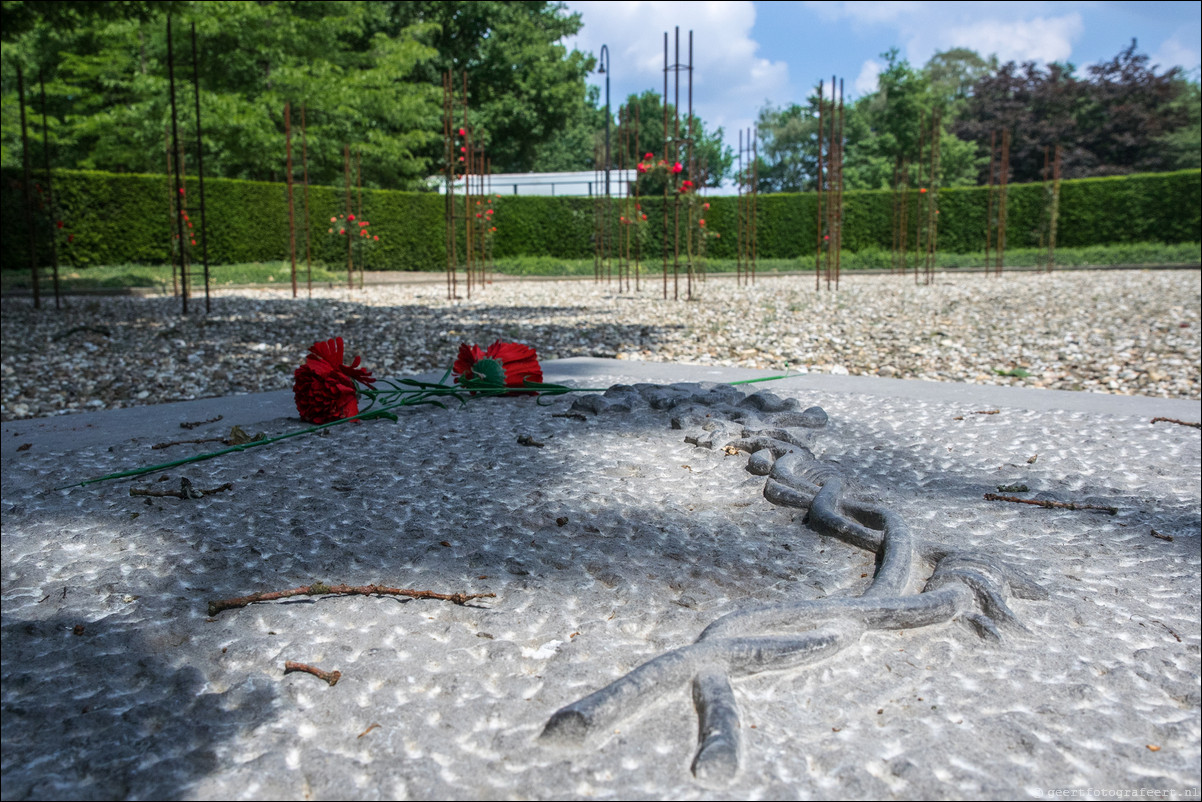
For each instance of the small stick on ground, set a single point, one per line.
(1195, 424)
(1060, 505)
(195, 423)
(186, 490)
(322, 589)
(170, 443)
(527, 440)
(1159, 536)
(986, 411)
(331, 677)
(573, 415)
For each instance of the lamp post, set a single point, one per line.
(605, 71)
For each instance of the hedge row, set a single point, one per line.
(118, 219)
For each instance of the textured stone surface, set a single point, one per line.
(615, 542)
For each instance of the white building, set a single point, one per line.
(585, 182)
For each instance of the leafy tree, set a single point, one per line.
(712, 159)
(1181, 148)
(1129, 106)
(788, 149)
(1112, 122)
(577, 146)
(108, 88)
(524, 87)
(952, 74)
(887, 127)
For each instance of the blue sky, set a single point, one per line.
(749, 53)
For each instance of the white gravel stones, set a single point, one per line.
(1129, 332)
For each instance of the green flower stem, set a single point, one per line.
(421, 393)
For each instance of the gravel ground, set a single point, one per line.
(1115, 331)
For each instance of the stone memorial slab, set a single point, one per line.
(779, 590)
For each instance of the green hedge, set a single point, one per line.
(118, 219)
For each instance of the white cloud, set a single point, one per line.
(1013, 30)
(729, 79)
(866, 80)
(1043, 39)
(1173, 52)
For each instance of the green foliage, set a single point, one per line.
(712, 160)
(119, 219)
(369, 74)
(524, 85)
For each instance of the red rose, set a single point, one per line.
(350, 217)
(509, 363)
(324, 387)
(676, 168)
(649, 156)
(376, 238)
(462, 132)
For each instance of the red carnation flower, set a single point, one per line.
(324, 388)
(509, 363)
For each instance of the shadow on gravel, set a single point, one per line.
(93, 711)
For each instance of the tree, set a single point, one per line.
(888, 125)
(1113, 122)
(952, 74)
(108, 89)
(1129, 107)
(788, 147)
(1181, 148)
(712, 159)
(576, 147)
(524, 86)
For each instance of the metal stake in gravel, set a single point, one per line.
(671, 157)
(746, 214)
(27, 183)
(54, 222)
(288, 178)
(308, 227)
(179, 183)
(818, 236)
(999, 171)
(200, 173)
(346, 182)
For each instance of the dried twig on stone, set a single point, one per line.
(193, 424)
(1195, 424)
(186, 490)
(331, 677)
(322, 589)
(1060, 505)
